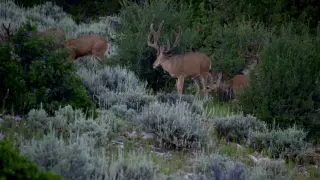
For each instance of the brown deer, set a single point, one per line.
(238, 82)
(190, 65)
(88, 45)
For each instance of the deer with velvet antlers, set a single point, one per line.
(190, 65)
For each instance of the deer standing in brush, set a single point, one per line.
(96, 46)
(190, 65)
(238, 82)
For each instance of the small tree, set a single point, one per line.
(42, 76)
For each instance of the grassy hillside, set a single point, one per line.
(124, 120)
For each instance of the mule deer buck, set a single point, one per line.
(240, 81)
(190, 65)
(96, 46)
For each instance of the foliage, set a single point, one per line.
(271, 13)
(270, 170)
(12, 83)
(136, 166)
(238, 127)
(80, 10)
(68, 122)
(44, 75)
(287, 143)
(14, 166)
(286, 86)
(75, 159)
(115, 86)
(219, 167)
(174, 124)
(132, 40)
(173, 98)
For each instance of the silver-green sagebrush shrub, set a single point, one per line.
(136, 165)
(219, 167)
(172, 98)
(174, 124)
(48, 15)
(75, 159)
(237, 127)
(287, 143)
(270, 170)
(68, 122)
(115, 86)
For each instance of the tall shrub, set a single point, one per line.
(39, 75)
(286, 86)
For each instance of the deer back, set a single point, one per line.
(87, 45)
(187, 65)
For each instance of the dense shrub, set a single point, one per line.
(75, 159)
(238, 127)
(14, 166)
(286, 86)
(270, 170)
(172, 98)
(12, 84)
(287, 143)
(115, 86)
(136, 165)
(43, 76)
(219, 168)
(68, 122)
(174, 124)
(272, 13)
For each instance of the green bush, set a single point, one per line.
(174, 124)
(238, 127)
(286, 86)
(14, 166)
(43, 75)
(12, 84)
(287, 143)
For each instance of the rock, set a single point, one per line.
(146, 136)
(239, 147)
(133, 134)
(188, 176)
(120, 144)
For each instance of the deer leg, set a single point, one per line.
(197, 84)
(203, 81)
(180, 82)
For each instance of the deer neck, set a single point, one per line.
(167, 64)
(249, 68)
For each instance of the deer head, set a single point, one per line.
(253, 58)
(162, 50)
